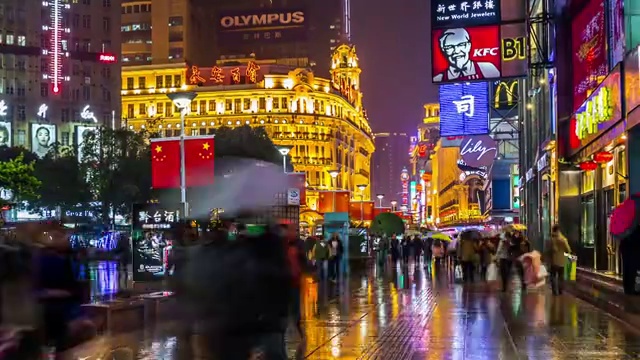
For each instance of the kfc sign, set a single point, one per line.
(464, 109)
(479, 53)
(448, 13)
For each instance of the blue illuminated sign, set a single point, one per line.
(464, 109)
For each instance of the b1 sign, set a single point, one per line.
(464, 109)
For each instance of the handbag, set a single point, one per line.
(492, 272)
(543, 273)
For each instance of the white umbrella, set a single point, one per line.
(244, 184)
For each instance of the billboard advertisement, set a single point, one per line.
(5, 133)
(598, 113)
(589, 48)
(82, 132)
(616, 32)
(454, 13)
(261, 25)
(464, 109)
(479, 53)
(632, 81)
(43, 136)
(479, 151)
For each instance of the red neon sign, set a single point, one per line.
(107, 58)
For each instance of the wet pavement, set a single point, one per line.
(408, 313)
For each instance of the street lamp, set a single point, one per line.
(284, 151)
(380, 197)
(393, 205)
(362, 187)
(182, 101)
(334, 174)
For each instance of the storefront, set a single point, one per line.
(545, 167)
(596, 171)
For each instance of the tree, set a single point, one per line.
(387, 224)
(117, 165)
(18, 176)
(64, 184)
(246, 142)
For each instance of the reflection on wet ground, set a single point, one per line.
(409, 313)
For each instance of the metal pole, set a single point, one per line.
(183, 175)
(380, 202)
(284, 163)
(361, 209)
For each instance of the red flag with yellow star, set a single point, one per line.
(165, 163)
(198, 155)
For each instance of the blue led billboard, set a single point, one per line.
(464, 109)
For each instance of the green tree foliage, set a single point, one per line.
(64, 183)
(18, 176)
(387, 224)
(246, 142)
(117, 167)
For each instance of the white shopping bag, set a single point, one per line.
(457, 273)
(543, 273)
(492, 272)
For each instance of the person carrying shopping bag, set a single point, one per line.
(504, 261)
(556, 249)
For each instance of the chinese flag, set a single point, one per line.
(299, 181)
(361, 210)
(325, 202)
(198, 160)
(165, 163)
(342, 201)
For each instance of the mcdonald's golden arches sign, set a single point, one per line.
(505, 96)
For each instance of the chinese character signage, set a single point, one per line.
(5, 133)
(448, 13)
(598, 113)
(479, 53)
(211, 76)
(261, 25)
(616, 31)
(152, 239)
(589, 48)
(631, 85)
(464, 109)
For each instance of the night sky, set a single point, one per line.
(392, 41)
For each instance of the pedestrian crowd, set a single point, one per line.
(493, 258)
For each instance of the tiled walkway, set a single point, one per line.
(410, 314)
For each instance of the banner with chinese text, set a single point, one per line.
(152, 239)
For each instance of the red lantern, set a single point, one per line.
(602, 157)
(426, 177)
(418, 188)
(588, 165)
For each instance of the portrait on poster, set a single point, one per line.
(43, 136)
(5, 133)
(82, 133)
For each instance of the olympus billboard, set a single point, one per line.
(261, 20)
(237, 28)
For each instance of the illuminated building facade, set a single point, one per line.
(322, 120)
(59, 70)
(421, 169)
(167, 31)
(389, 160)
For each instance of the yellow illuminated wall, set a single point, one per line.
(322, 120)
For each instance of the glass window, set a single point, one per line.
(159, 81)
(142, 109)
(587, 230)
(175, 20)
(22, 40)
(142, 82)
(10, 39)
(129, 83)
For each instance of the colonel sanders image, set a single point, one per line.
(455, 45)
